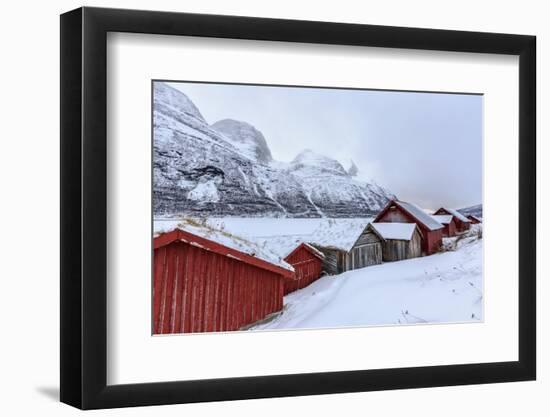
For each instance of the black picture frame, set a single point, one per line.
(84, 207)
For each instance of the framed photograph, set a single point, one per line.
(257, 208)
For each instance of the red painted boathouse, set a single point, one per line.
(449, 223)
(462, 222)
(402, 212)
(307, 263)
(209, 281)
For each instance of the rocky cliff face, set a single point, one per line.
(246, 138)
(226, 169)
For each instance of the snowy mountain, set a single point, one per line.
(226, 169)
(353, 170)
(332, 190)
(246, 138)
(473, 210)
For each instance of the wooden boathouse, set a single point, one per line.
(449, 223)
(400, 240)
(206, 280)
(307, 263)
(397, 211)
(347, 244)
(462, 222)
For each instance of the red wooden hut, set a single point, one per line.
(462, 222)
(306, 260)
(209, 281)
(449, 223)
(307, 263)
(473, 219)
(402, 212)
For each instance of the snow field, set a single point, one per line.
(442, 288)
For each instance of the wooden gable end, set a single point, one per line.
(367, 237)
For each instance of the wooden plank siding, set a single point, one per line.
(432, 241)
(449, 229)
(330, 262)
(397, 250)
(307, 268)
(366, 251)
(197, 290)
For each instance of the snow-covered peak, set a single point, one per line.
(309, 158)
(176, 100)
(246, 138)
(353, 170)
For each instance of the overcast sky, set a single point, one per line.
(424, 147)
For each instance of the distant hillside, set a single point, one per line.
(473, 210)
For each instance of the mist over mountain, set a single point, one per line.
(227, 169)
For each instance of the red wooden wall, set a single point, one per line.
(196, 290)
(449, 230)
(463, 226)
(432, 240)
(307, 269)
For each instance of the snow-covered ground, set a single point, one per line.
(442, 288)
(268, 227)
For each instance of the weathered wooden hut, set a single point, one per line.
(449, 223)
(347, 244)
(473, 219)
(402, 212)
(462, 222)
(208, 280)
(400, 240)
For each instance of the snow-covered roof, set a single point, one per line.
(457, 214)
(315, 250)
(338, 234)
(443, 218)
(284, 245)
(222, 237)
(419, 214)
(397, 231)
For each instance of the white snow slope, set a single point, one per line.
(442, 288)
